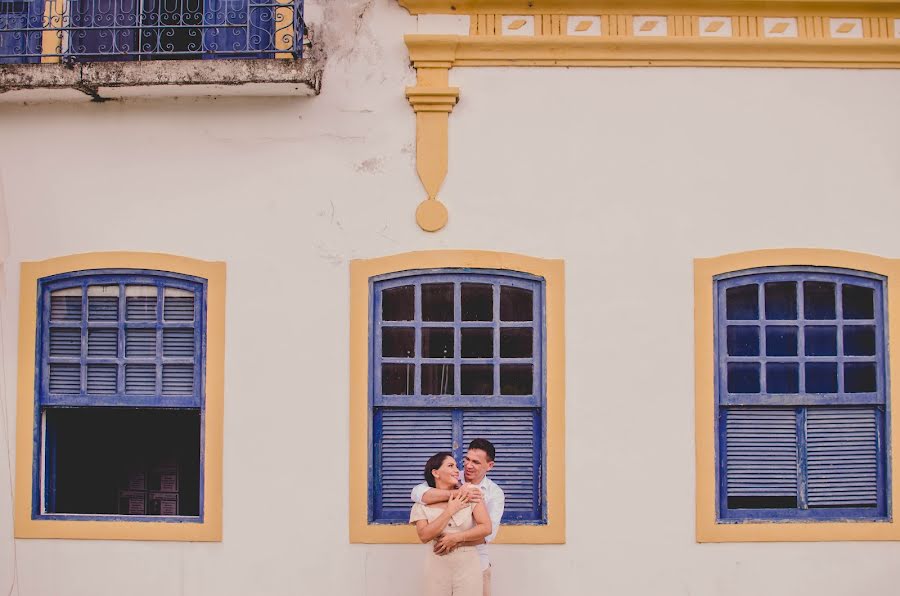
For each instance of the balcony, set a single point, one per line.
(108, 49)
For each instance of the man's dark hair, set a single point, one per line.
(434, 462)
(485, 446)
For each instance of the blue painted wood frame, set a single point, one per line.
(43, 485)
(456, 403)
(801, 402)
(21, 31)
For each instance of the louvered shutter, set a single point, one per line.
(65, 378)
(65, 305)
(516, 437)
(842, 456)
(408, 439)
(761, 448)
(65, 341)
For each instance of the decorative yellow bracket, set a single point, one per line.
(733, 33)
(432, 99)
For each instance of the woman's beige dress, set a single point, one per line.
(456, 574)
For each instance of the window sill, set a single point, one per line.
(103, 81)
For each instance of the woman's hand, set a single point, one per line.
(445, 544)
(457, 502)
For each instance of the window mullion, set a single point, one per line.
(496, 332)
(839, 326)
(417, 321)
(82, 361)
(160, 296)
(457, 350)
(801, 460)
(120, 349)
(458, 447)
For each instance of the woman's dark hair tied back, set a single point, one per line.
(434, 462)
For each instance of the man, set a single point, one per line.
(479, 460)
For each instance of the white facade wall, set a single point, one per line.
(627, 174)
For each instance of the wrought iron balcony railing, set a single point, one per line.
(34, 31)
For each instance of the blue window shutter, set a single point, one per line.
(20, 31)
(405, 441)
(110, 29)
(761, 448)
(516, 437)
(238, 29)
(842, 456)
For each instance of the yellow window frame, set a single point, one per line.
(708, 529)
(210, 529)
(553, 271)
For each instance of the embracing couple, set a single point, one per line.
(459, 520)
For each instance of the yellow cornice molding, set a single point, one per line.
(657, 51)
(774, 34)
(856, 8)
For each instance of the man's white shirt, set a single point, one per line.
(494, 501)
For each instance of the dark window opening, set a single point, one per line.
(117, 461)
(762, 502)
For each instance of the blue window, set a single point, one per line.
(122, 30)
(454, 355)
(119, 396)
(801, 394)
(20, 31)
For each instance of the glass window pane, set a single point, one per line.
(516, 304)
(859, 340)
(398, 342)
(477, 379)
(140, 303)
(820, 341)
(437, 302)
(103, 303)
(858, 302)
(178, 304)
(437, 342)
(818, 300)
(65, 305)
(437, 379)
(477, 302)
(859, 377)
(397, 304)
(398, 379)
(743, 340)
(742, 303)
(516, 379)
(781, 341)
(821, 377)
(781, 300)
(782, 377)
(743, 377)
(477, 343)
(516, 342)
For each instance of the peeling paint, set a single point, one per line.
(374, 165)
(167, 77)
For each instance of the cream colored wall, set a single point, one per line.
(627, 174)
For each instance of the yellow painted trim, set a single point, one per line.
(211, 528)
(52, 39)
(708, 530)
(284, 36)
(432, 99)
(838, 8)
(624, 50)
(553, 271)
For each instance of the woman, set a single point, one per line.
(458, 521)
